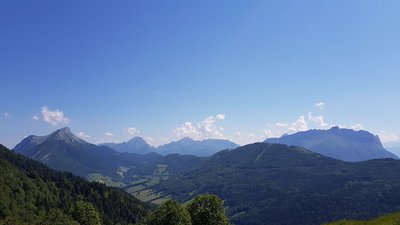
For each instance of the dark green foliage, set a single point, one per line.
(207, 209)
(275, 184)
(57, 217)
(169, 213)
(86, 214)
(29, 190)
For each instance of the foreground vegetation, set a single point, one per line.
(31, 194)
(203, 210)
(390, 219)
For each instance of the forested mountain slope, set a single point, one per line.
(30, 190)
(266, 183)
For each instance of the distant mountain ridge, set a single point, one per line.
(31, 141)
(395, 150)
(62, 150)
(135, 145)
(338, 143)
(188, 146)
(276, 184)
(184, 146)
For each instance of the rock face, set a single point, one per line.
(343, 144)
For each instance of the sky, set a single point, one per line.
(163, 70)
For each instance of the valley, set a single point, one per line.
(258, 182)
(200, 112)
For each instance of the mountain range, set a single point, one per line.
(188, 146)
(343, 144)
(184, 146)
(135, 145)
(63, 151)
(266, 183)
(260, 183)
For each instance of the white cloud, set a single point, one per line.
(386, 138)
(273, 133)
(7, 115)
(243, 138)
(280, 128)
(150, 140)
(83, 135)
(35, 118)
(186, 129)
(299, 125)
(251, 136)
(319, 105)
(282, 124)
(108, 134)
(54, 117)
(357, 126)
(319, 120)
(207, 128)
(132, 131)
(220, 116)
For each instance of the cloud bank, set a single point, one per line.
(207, 128)
(53, 117)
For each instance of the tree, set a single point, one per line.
(86, 214)
(169, 213)
(57, 217)
(207, 209)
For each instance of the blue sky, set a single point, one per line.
(241, 70)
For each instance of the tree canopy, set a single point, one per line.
(207, 209)
(169, 213)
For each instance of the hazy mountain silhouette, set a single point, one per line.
(343, 144)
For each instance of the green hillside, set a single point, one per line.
(277, 184)
(390, 219)
(32, 193)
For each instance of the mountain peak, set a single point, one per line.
(186, 139)
(137, 140)
(135, 145)
(63, 131)
(188, 146)
(339, 143)
(64, 134)
(335, 128)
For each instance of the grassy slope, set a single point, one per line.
(390, 219)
